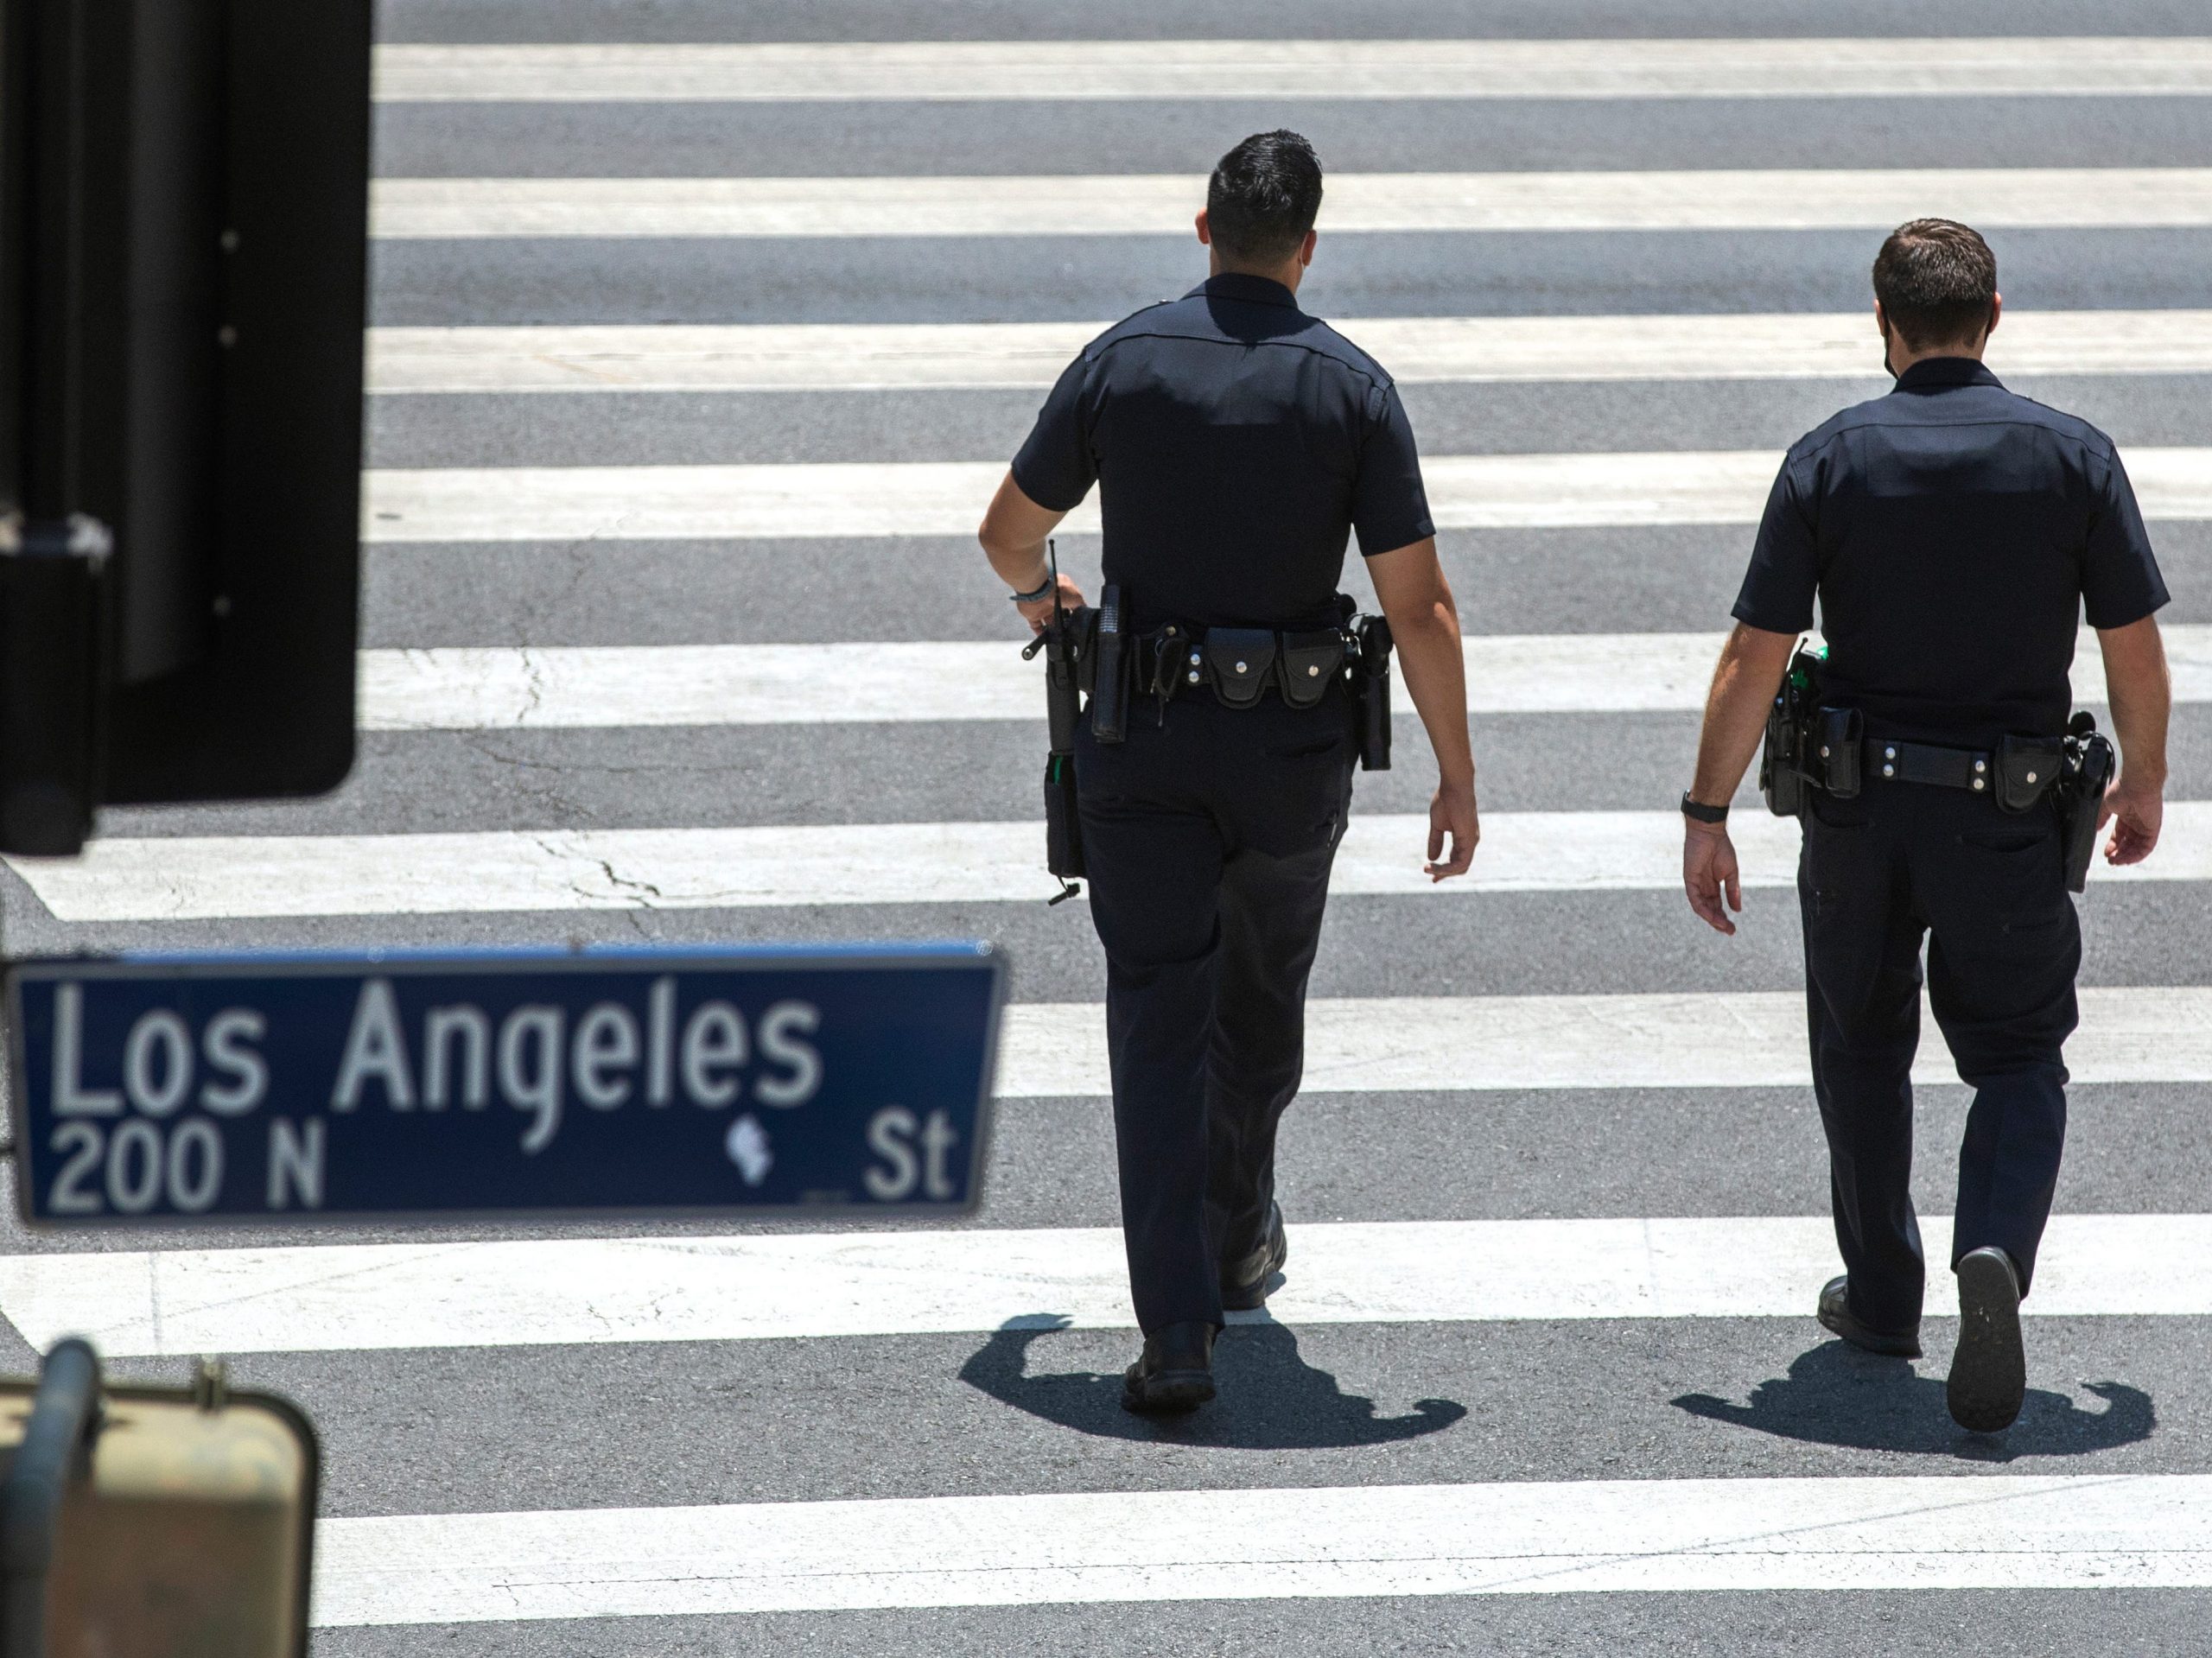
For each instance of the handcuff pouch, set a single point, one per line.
(2027, 767)
(1311, 662)
(1241, 659)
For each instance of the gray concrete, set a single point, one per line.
(999, 20)
(1046, 278)
(1358, 135)
(1965, 1624)
(739, 429)
(1037, 1410)
(1613, 581)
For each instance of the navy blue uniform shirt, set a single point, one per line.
(1955, 534)
(1235, 442)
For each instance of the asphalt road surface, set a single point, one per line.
(1426, 1454)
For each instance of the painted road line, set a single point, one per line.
(1388, 1044)
(1066, 71)
(2007, 1531)
(502, 687)
(346, 1297)
(485, 872)
(877, 356)
(859, 499)
(1162, 204)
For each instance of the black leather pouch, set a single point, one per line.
(1310, 662)
(1838, 736)
(1062, 820)
(2027, 768)
(1241, 659)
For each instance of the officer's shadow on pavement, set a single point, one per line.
(1838, 1395)
(1270, 1399)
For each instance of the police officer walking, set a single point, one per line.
(1237, 442)
(1954, 533)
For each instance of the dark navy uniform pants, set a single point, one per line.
(1989, 891)
(1209, 841)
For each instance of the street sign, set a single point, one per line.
(256, 1086)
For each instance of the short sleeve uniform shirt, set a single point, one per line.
(1955, 535)
(1238, 444)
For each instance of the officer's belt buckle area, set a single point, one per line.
(1241, 662)
(1944, 768)
(2017, 774)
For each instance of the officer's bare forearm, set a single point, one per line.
(2141, 694)
(1744, 684)
(1436, 678)
(1425, 625)
(1013, 534)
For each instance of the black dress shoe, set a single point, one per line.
(1989, 1373)
(1174, 1373)
(1835, 1314)
(1245, 1283)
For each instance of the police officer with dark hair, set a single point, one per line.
(1954, 534)
(1237, 442)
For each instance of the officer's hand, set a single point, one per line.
(1039, 614)
(1709, 874)
(2135, 813)
(1451, 814)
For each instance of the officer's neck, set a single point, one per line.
(1288, 273)
(1903, 357)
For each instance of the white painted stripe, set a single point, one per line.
(502, 687)
(872, 356)
(490, 870)
(853, 499)
(1065, 70)
(1161, 205)
(1383, 1044)
(1520, 1537)
(346, 1297)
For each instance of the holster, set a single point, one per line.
(1372, 691)
(2089, 762)
(1785, 758)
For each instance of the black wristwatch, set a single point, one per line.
(1698, 812)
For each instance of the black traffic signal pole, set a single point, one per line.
(183, 243)
(54, 557)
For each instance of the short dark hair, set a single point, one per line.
(1262, 197)
(1937, 281)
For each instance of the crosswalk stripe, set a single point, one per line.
(485, 872)
(341, 1297)
(1393, 1044)
(874, 356)
(564, 687)
(500, 688)
(1162, 205)
(858, 499)
(1530, 1537)
(1200, 70)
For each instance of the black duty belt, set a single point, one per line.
(1946, 768)
(2016, 773)
(1240, 664)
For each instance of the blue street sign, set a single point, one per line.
(254, 1087)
